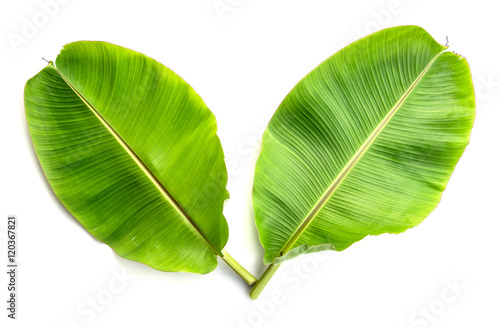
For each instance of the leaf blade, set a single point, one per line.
(318, 129)
(127, 239)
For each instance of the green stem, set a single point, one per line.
(258, 287)
(248, 277)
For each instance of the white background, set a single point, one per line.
(243, 62)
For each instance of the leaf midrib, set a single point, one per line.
(142, 166)
(350, 165)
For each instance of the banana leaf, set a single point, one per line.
(363, 145)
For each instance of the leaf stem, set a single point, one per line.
(239, 269)
(258, 287)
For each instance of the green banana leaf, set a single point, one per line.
(363, 145)
(131, 150)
